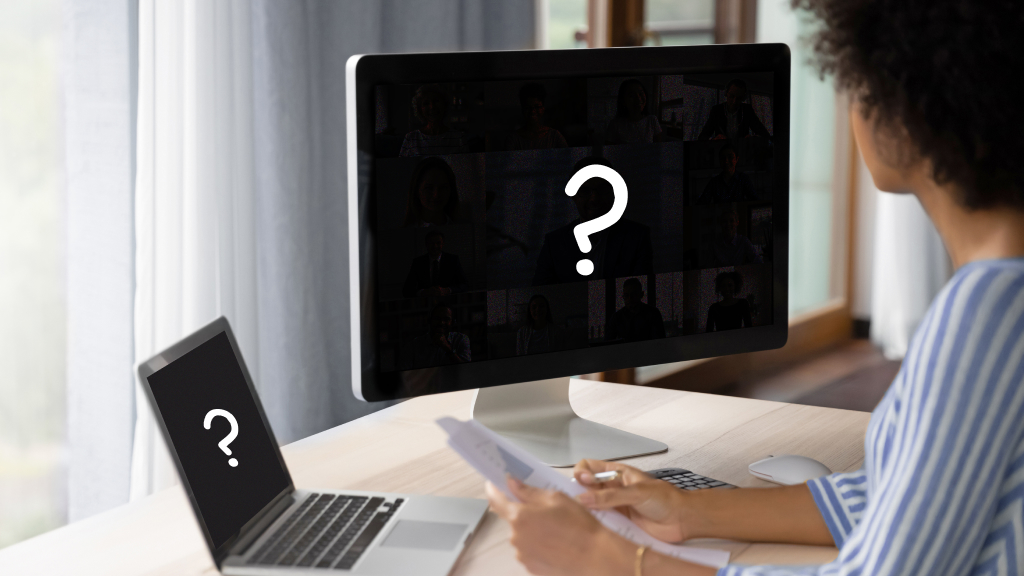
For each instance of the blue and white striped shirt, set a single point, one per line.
(942, 488)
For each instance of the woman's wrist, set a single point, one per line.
(613, 555)
(694, 513)
(616, 556)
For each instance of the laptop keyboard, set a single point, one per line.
(327, 531)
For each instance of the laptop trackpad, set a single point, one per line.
(425, 535)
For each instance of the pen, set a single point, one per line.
(607, 476)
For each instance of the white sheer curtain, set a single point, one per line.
(194, 196)
(98, 94)
(910, 267)
(240, 195)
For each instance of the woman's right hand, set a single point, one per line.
(661, 509)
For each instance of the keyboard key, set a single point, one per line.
(312, 530)
(276, 537)
(688, 480)
(323, 530)
(352, 531)
(364, 540)
(296, 530)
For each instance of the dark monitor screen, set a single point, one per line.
(478, 273)
(197, 395)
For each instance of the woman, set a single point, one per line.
(533, 134)
(433, 195)
(430, 106)
(539, 334)
(942, 487)
(631, 125)
(730, 312)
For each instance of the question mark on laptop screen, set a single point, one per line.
(223, 444)
(582, 231)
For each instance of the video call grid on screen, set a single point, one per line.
(475, 252)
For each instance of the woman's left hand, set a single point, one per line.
(554, 535)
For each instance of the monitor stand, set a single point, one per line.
(537, 417)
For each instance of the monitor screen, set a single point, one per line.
(480, 254)
(204, 399)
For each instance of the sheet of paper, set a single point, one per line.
(494, 457)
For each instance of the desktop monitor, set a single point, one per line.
(521, 217)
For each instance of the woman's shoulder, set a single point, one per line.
(967, 349)
(979, 291)
(977, 286)
(976, 321)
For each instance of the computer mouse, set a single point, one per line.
(788, 469)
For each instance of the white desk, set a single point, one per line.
(401, 449)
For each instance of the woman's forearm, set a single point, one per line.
(785, 514)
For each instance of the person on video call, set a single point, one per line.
(636, 320)
(940, 489)
(631, 124)
(433, 195)
(624, 249)
(730, 312)
(730, 248)
(430, 106)
(533, 134)
(440, 346)
(436, 273)
(734, 118)
(730, 185)
(540, 334)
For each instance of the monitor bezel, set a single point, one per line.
(149, 367)
(364, 72)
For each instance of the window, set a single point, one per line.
(32, 301)
(675, 23)
(566, 23)
(816, 178)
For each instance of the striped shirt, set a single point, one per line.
(942, 488)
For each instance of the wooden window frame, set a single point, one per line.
(615, 23)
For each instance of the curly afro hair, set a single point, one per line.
(946, 74)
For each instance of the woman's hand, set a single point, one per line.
(554, 535)
(661, 509)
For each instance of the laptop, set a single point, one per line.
(253, 518)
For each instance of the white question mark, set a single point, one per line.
(584, 229)
(223, 444)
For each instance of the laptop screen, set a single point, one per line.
(204, 400)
